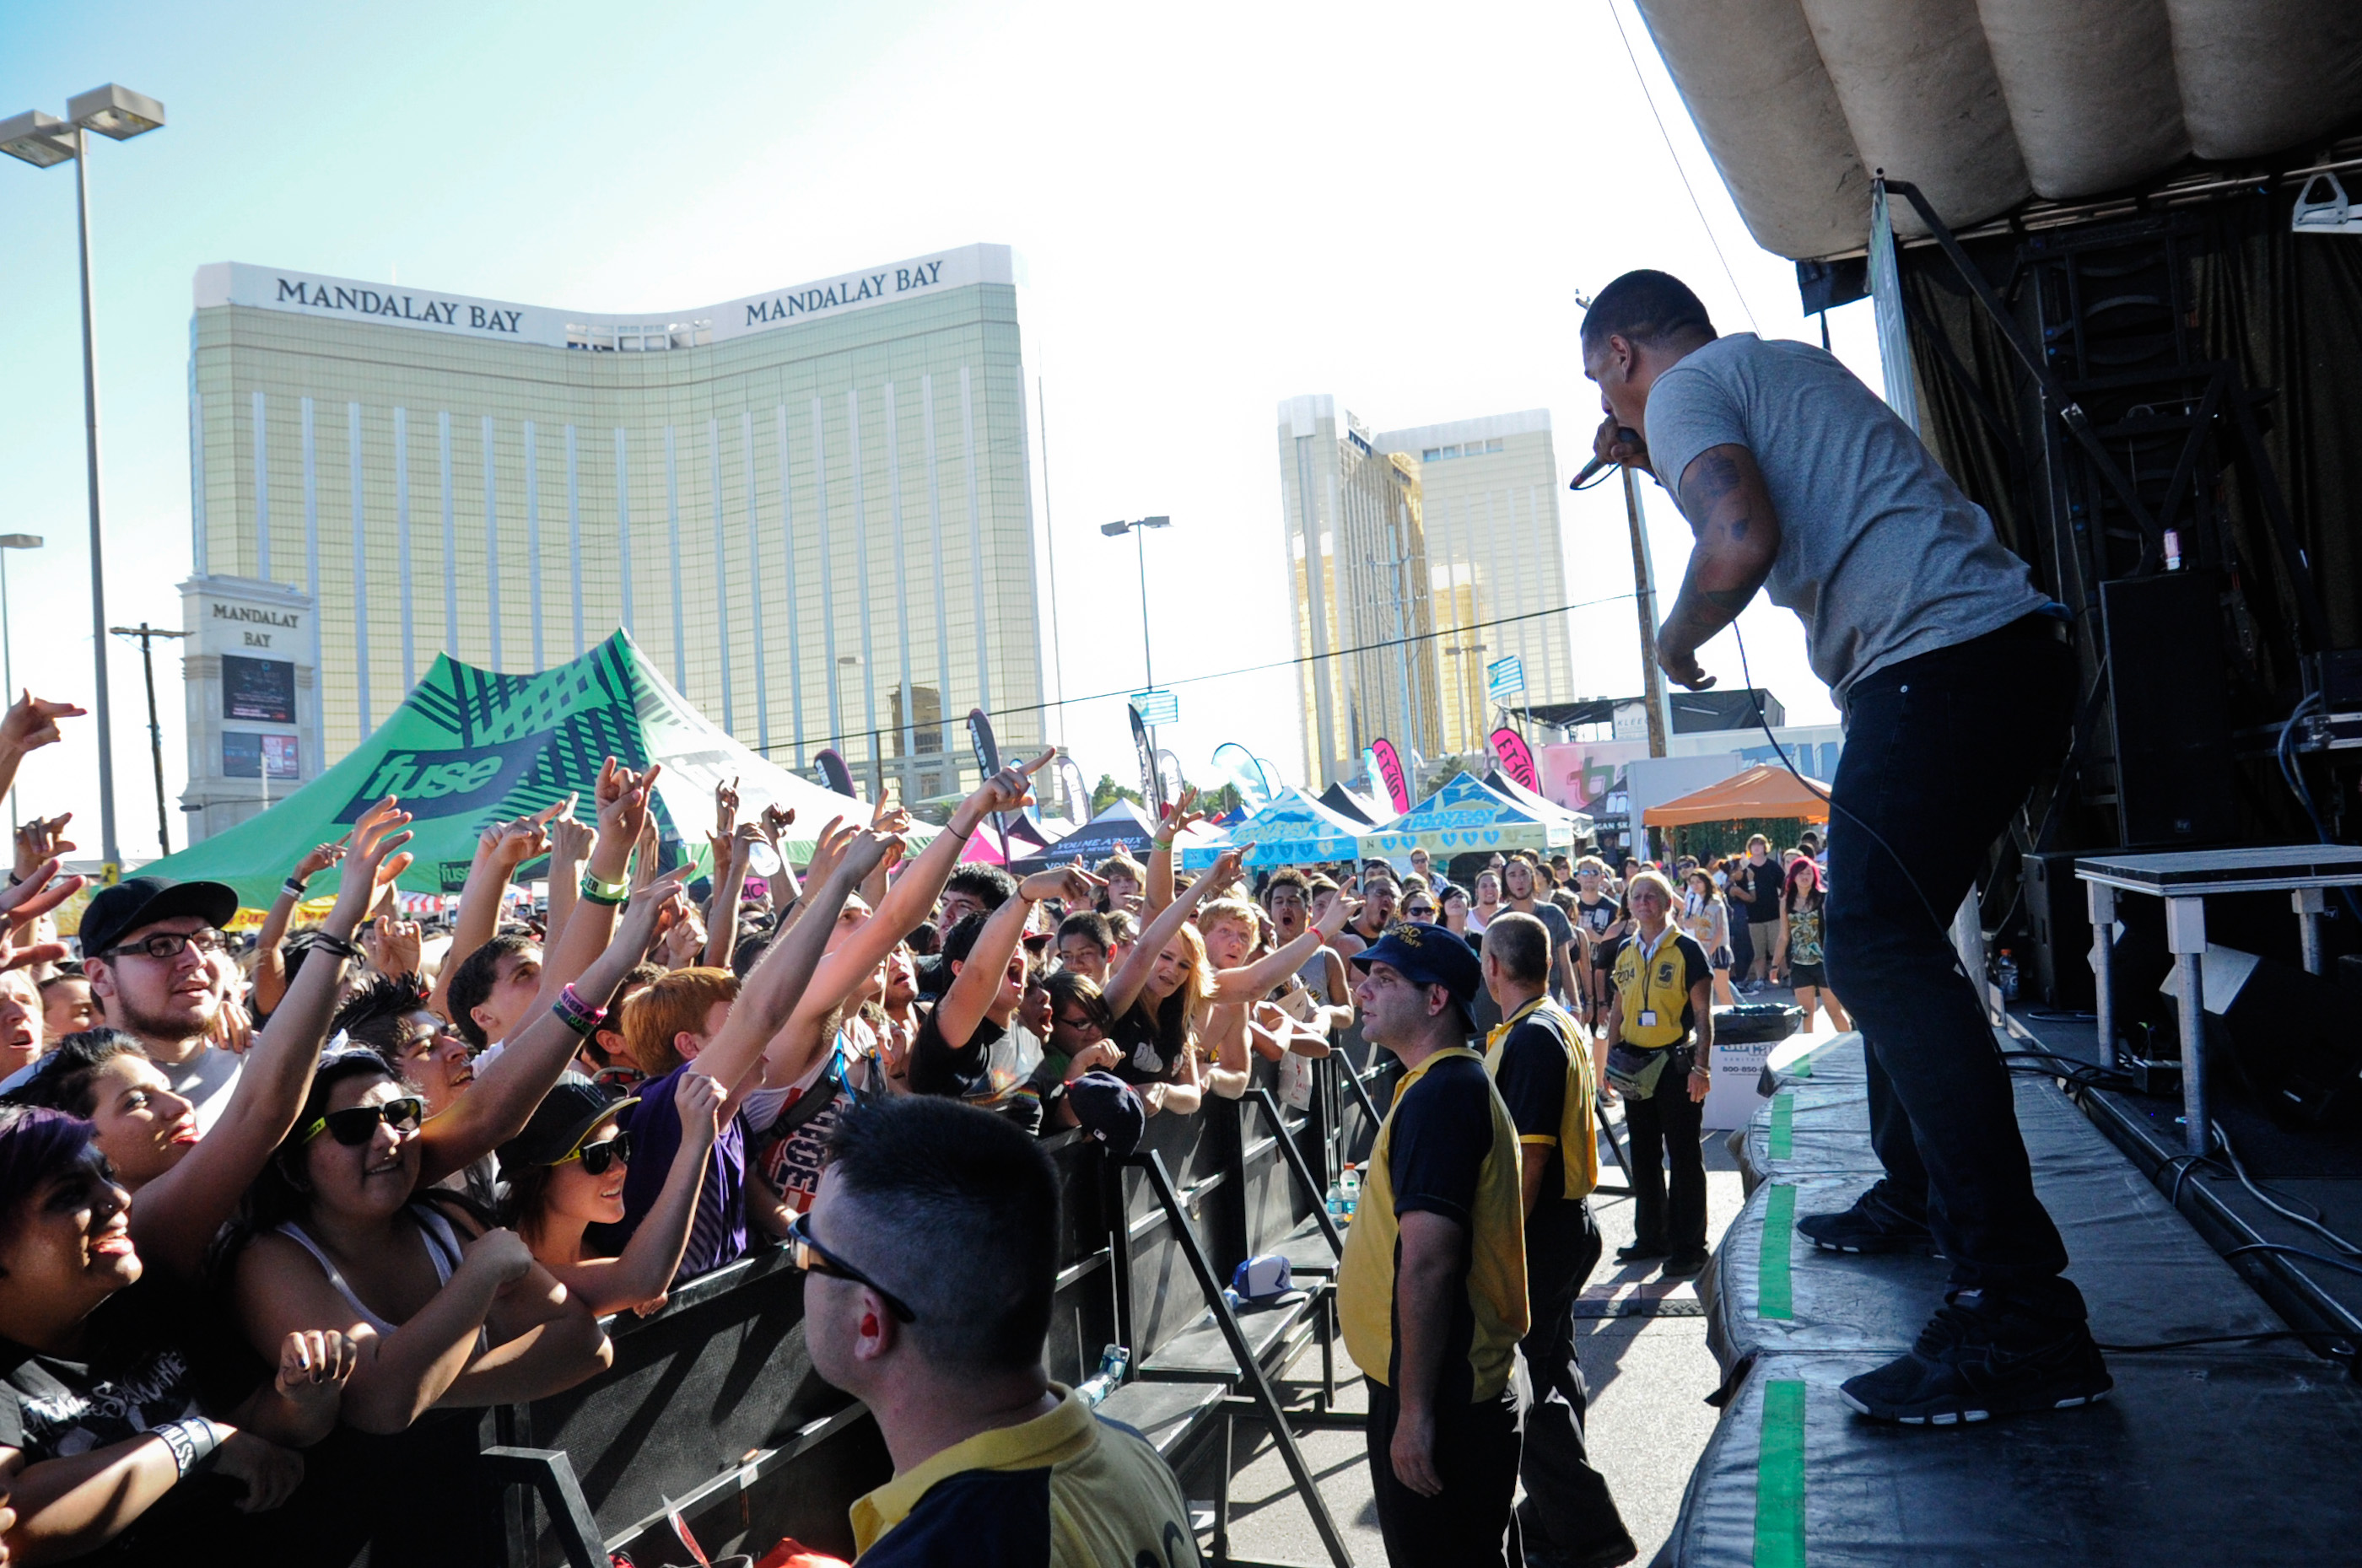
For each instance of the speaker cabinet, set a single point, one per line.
(2170, 710)
(2292, 1035)
(2059, 921)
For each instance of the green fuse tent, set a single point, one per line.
(469, 747)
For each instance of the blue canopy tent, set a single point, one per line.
(1464, 817)
(1295, 829)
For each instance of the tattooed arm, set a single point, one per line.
(1738, 535)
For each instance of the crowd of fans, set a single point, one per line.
(276, 1220)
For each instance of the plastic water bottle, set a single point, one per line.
(1095, 1389)
(1351, 1185)
(2008, 975)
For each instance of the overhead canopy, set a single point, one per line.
(1577, 825)
(1465, 816)
(1761, 791)
(1352, 807)
(1295, 829)
(1123, 826)
(469, 747)
(1984, 103)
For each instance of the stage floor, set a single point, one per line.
(2231, 1452)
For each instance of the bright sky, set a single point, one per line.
(1218, 208)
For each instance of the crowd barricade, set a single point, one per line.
(712, 1412)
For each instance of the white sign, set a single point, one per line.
(396, 304)
(1505, 679)
(1157, 707)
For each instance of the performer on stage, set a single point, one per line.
(1795, 478)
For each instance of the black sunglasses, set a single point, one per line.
(814, 1258)
(597, 1157)
(354, 1126)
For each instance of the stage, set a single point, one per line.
(2205, 1455)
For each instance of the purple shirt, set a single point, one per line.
(717, 1235)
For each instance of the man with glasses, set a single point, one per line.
(931, 1260)
(147, 944)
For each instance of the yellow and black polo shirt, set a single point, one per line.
(1448, 1147)
(1654, 987)
(1070, 1489)
(1544, 1071)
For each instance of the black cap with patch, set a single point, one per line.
(117, 911)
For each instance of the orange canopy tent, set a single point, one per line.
(1761, 791)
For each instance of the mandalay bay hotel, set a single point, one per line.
(810, 508)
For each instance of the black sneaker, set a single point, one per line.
(1871, 1225)
(1681, 1266)
(1974, 1360)
(1641, 1252)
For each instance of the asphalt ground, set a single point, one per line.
(1649, 1376)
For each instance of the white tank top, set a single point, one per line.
(442, 1250)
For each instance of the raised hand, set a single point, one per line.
(697, 1100)
(777, 819)
(828, 849)
(372, 858)
(501, 1252)
(1070, 884)
(42, 839)
(39, 892)
(725, 808)
(31, 722)
(318, 858)
(1181, 816)
(868, 850)
(570, 842)
(652, 912)
(624, 799)
(683, 942)
(394, 946)
(1225, 871)
(1008, 789)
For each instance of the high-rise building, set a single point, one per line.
(1412, 554)
(811, 507)
(1358, 574)
(1495, 567)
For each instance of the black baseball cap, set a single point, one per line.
(1108, 1109)
(558, 1124)
(1427, 955)
(115, 912)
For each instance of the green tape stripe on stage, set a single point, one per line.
(1775, 1293)
(1779, 1477)
(1784, 1125)
(1802, 1067)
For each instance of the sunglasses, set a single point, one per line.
(814, 1258)
(597, 1157)
(354, 1127)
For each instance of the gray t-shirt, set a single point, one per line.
(1881, 556)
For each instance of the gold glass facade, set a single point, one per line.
(812, 512)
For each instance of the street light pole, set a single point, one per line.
(145, 636)
(41, 140)
(7, 656)
(1114, 530)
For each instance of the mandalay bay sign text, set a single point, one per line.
(392, 305)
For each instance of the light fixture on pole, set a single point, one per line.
(7, 657)
(44, 141)
(1117, 531)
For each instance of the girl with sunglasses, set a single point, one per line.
(564, 1174)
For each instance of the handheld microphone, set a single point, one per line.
(1592, 469)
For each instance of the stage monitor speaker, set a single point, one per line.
(2170, 708)
(2294, 1036)
(2059, 919)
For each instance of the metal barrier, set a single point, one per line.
(712, 1408)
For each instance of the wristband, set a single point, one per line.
(293, 889)
(577, 1014)
(610, 893)
(192, 1441)
(323, 943)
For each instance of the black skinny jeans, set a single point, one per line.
(1664, 1129)
(1940, 750)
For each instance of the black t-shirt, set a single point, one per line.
(1442, 1134)
(1146, 1059)
(1765, 903)
(1597, 915)
(1532, 1081)
(140, 1375)
(1001, 1068)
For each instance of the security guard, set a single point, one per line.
(1660, 1042)
(1432, 1291)
(1541, 1067)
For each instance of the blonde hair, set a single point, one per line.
(1122, 865)
(1214, 913)
(1651, 877)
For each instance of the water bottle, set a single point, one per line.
(1095, 1389)
(1351, 1185)
(2008, 975)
